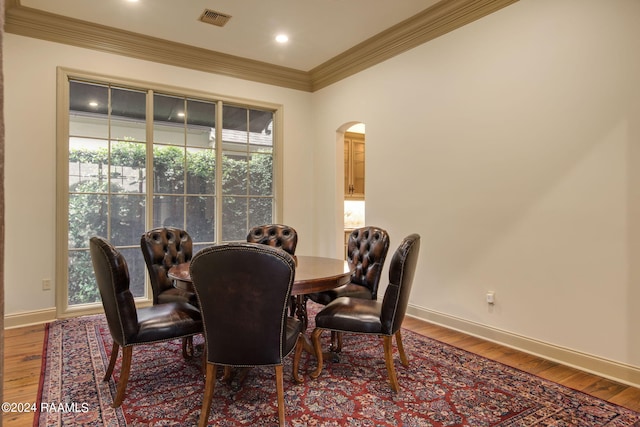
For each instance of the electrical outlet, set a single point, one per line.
(491, 297)
(46, 284)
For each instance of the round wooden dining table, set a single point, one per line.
(313, 274)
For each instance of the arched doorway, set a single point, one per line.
(353, 142)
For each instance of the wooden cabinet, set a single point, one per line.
(354, 166)
(347, 233)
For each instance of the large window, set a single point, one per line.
(139, 158)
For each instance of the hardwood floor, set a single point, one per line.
(22, 364)
(614, 392)
(23, 359)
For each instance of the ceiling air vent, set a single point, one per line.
(214, 18)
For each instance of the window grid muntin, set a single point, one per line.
(68, 75)
(242, 145)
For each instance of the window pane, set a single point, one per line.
(199, 246)
(235, 134)
(200, 137)
(137, 268)
(168, 119)
(201, 171)
(234, 218)
(88, 127)
(128, 130)
(168, 169)
(261, 175)
(235, 118)
(168, 134)
(260, 211)
(128, 104)
(234, 174)
(127, 219)
(128, 114)
(88, 110)
(200, 218)
(168, 109)
(168, 211)
(201, 123)
(87, 215)
(261, 128)
(87, 162)
(128, 171)
(82, 287)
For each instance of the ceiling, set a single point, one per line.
(318, 29)
(329, 40)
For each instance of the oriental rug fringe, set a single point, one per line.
(443, 386)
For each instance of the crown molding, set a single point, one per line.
(43, 25)
(435, 21)
(441, 18)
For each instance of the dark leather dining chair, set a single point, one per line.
(244, 289)
(129, 326)
(278, 236)
(367, 249)
(162, 248)
(381, 318)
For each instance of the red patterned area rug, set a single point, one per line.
(443, 386)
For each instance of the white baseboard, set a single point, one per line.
(616, 371)
(29, 318)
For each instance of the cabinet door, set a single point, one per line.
(357, 168)
(347, 168)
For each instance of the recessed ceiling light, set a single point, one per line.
(282, 38)
(93, 104)
(132, 1)
(180, 114)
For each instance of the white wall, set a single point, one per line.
(30, 114)
(510, 145)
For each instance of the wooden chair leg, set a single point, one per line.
(293, 305)
(317, 348)
(187, 347)
(280, 390)
(209, 387)
(241, 376)
(336, 342)
(301, 310)
(296, 359)
(403, 356)
(387, 342)
(124, 375)
(203, 366)
(112, 361)
(226, 376)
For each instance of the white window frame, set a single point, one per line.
(64, 75)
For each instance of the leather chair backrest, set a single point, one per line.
(367, 249)
(276, 235)
(163, 248)
(243, 289)
(112, 275)
(401, 272)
